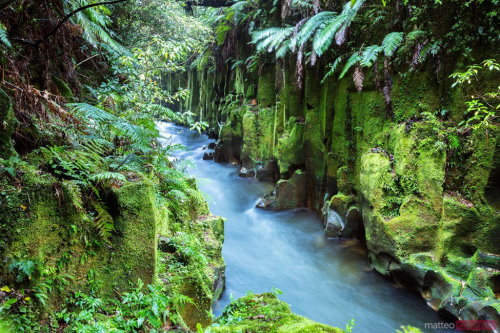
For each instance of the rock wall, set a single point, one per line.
(47, 222)
(424, 209)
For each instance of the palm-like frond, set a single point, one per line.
(103, 220)
(270, 39)
(353, 60)
(313, 24)
(391, 42)
(369, 55)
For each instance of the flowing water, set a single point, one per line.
(326, 280)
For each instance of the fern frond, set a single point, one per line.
(391, 42)
(333, 68)
(313, 24)
(89, 111)
(270, 39)
(103, 220)
(3, 35)
(369, 55)
(107, 176)
(353, 60)
(324, 37)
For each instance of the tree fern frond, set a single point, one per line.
(313, 24)
(89, 111)
(353, 60)
(324, 36)
(271, 39)
(369, 55)
(333, 68)
(391, 42)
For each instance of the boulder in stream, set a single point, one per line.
(209, 155)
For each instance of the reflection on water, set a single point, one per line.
(326, 280)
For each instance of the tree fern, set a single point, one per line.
(391, 42)
(103, 221)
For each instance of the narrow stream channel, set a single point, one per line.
(326, 280)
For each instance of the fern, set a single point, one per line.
(88, 111)
(107, 176)
(369, 55)
(353, 60)
(313, 24)
(391, 42)
(103, 220)
(3, 35)
(270, 39)
(333, 68)
(324, 36)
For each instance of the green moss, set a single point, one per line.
(265, 313)
(7, 125)
(266, 93)
(290, 149)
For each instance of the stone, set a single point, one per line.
(292, 193)
(333, 224)
(245, 173)
(211, 145)
(219, 153)
(208, 155)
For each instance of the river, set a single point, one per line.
(327, 280)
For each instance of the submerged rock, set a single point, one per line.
(211, 145)
(209, 155)
(245, 173)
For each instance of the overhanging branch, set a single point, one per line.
(210, 3)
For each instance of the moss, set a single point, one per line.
(290, 150)
(340, 202)
(7, 125)
(266, 93)
(265, 313)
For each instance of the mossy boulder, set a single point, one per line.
(291, 193)
(265, 313)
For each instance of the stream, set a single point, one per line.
(326, 280)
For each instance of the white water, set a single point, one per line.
(327, 280)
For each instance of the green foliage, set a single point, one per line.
(3, 35)
(391, 42)
(103, 220)
(482, 108)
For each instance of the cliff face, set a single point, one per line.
(424, 205)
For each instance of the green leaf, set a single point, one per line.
(391, 42)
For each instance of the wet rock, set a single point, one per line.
(267, 201)
(269, 171)
(353, 224)
(208, 155)
(166, 245)
(291, 193)
(212, 133)
(333, 224)
(219, 152)
(211, 145)
(245, 173)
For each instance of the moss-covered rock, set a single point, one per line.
(265, 313)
